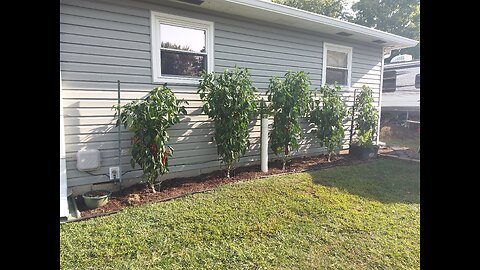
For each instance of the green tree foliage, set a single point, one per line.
(331, 8)
(366, 118)
(188, 64)
(329, 114)
(400, 17)
(289, 100)
(149, 119)
(230, 100)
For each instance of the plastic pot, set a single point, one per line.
(363, 152)
(96, 198)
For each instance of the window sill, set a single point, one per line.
(176, 80)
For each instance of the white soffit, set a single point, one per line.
(284, 15)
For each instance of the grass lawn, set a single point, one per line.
(364, 216)
(411, 143)
(395, 135)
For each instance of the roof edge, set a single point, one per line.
(318, 18)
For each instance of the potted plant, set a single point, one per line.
(365, 122)
(96, 198)
(148, 120)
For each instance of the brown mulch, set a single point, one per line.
(171, 188)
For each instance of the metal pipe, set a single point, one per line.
(119, 133)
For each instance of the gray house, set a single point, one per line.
(140, 43)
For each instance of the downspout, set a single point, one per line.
(380, 96)
(63, 166)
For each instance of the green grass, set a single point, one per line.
(354, 217)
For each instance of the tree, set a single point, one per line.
(230, 100)
(331, 8)
(329, 118)
(400, 17)
(290, 100)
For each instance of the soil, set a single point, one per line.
(139, 193)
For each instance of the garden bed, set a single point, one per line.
(172, 188)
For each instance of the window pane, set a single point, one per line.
(336, 59)
(389, 81)
(181, 38)
(184, 64)
(338, 75)
(389, 85)
(417, 81)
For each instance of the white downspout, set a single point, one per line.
(380, 97)
(63, 167)
(264, 150)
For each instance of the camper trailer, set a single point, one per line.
(401, 89)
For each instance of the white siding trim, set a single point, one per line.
(380, 97)
(63, 165)
(156, 18)
(337, 48)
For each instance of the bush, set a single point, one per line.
(149, 119)
(366, 119)
(230, 100)
(329, 118)
(289, 101)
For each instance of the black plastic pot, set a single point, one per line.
(363, 152)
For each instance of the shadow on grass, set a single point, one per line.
(384, 180)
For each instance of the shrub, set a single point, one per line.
(366, 119)
(289, 101)
(230, 100)
(329, 118)
(149, 119)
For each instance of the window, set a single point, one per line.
(181, 48)
(337, 65)
(389, 81)
(417, 81)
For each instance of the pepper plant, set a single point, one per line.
(230, 101)
(148, 120)
(328, 114)
(289, 100)
(366, 119)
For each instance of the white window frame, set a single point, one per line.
(156, 19)
(338, 48)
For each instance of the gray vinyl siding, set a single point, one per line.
(105, 41)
